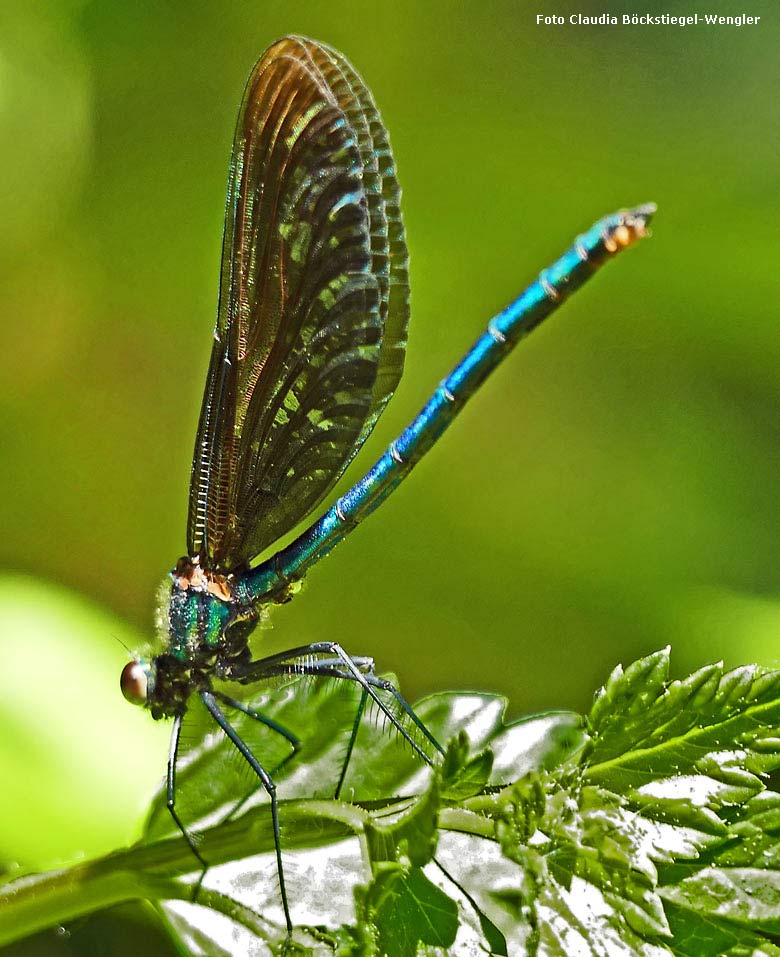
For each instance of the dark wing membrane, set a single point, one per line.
(314, 303)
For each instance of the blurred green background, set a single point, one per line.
(613, 489)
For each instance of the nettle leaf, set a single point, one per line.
(660, 824)
(393, 820)
(462, 776)
(644, 829)
(407, 910)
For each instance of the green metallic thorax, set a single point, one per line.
(206, 630)
(197, 621)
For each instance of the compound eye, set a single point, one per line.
(134, 682)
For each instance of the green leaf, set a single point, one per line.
(461, 776)
(406, 910)
(51, 769)
(645, 829)
(746, 896)
(670, 780)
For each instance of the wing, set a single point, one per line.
(313, 308)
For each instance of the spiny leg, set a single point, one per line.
(171, 793)
(360, 669)
(324, 668)
(344, 667)
(352, 739)
(333, 668)
(292, 739)
(390, 688)
(330, 668)
(210, 702)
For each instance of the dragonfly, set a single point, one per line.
(308, 349)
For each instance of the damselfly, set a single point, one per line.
(308, 349)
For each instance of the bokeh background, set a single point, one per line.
(613, 489)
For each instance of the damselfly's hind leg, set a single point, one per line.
(352, 739)
(327, 659)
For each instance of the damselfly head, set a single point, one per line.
(137, 681)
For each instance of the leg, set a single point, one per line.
(294, 741)
(590, 251)
(352, 739)
(171, 792)
(325, 669)
(329, 668)
(345, 667)
(265, 779)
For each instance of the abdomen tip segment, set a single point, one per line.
(626, 227)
